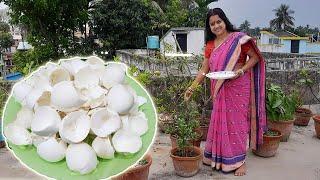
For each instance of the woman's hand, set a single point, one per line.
(188, 93)
(238, 73)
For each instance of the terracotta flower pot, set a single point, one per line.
(302, 116)
(316, 119)
(194, 142)
(270, 145)
(204, 130)
(285, 127)
(187, 166)
(140, 172)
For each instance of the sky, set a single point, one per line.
(259, 12)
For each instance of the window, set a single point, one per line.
(274, 41)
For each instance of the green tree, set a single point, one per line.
(245, 26)
(123, 24)
(50, 24)
(305, 31)
(4, 27)
(284, 18)
(197, 13)
(6, 40)
(255, 32)
(175, 13)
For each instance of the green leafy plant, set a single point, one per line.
(184, 127)
(280, 107)
(142, 76)
(296, 98)
(306, 80)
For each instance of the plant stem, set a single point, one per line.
(313, 93)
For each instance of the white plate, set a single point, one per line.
(221, 75)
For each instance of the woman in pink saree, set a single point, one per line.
(238, 118)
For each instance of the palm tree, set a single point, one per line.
(283, 18)
(245, 26)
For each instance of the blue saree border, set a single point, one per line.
(225, 160)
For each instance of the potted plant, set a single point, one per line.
(167, 100)
(316, 119)
(186, 158)
(271, 141)
(303, 114)
(280, 111)
(138, 172)
(187, 111)
(202, 97)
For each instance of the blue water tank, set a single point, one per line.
(153, 42)
(13, 76)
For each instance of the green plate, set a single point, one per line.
(105, 168)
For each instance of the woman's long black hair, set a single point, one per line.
(222, 15)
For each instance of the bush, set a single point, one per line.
(280, 107)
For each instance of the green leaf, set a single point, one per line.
(277, 103)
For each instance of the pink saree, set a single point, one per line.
(238, 117)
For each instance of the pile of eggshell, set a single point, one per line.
(64, 102)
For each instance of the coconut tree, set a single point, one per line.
(284, 18)
(245, 26)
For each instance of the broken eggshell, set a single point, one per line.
(46, 121)
(104, 122)
(126, 141)
(24, 117)
(81, 158)
(120, 99)
(75, 126)
(21, 90)
(51, 150)
(73, 65)
(103, 147)
(65, 97)
(86, 78)
(113, 74)
(58, 75)
(17, 135)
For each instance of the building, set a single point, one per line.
(6, 63)
(190, 40)
(287, 42)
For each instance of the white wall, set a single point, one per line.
(195, 42)
(170, 40)
(313, 47)
(264, 38)
(271, 48)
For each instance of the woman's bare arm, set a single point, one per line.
(198, 80)
(201, 74)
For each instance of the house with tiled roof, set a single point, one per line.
(287, 42)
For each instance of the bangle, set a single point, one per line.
(242, 72)
(190, 89)
(194, 85)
